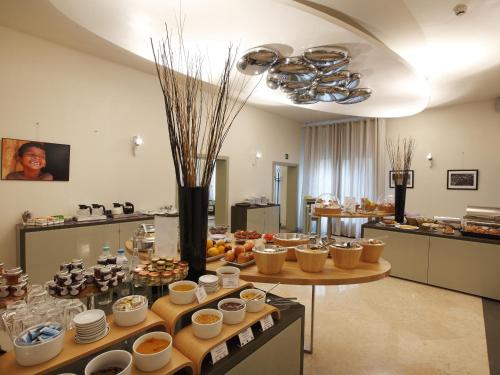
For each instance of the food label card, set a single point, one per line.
(230, 282)
(201, 294)
(246, 336)
(266, 322)
(219, 352)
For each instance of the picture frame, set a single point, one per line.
(462, 179)
(29, 160)
(409, 183)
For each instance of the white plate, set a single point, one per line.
(211, 259)
(89, 317)
(407, 227)
(78, 340)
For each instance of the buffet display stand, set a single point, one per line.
(371, 216)
(331, 275)
(73, 352)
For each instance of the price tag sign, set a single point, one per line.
(266, 322)
(219, 352)
(246, 336)
(230, 282)
(201, 294)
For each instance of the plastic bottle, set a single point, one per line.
(122, 260)
(106, 251)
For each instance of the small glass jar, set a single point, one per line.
(155, 260)
(120, 275)
(112, 259)
(161, 265)
(62, 290)
(143, 276)
(13, 275)
(118, 267)
(97, 271)
(166, 277)
(112, 267)
(102, 260)
(2, 268)
(113, 281)
(77, 274)
(77, 263)
(89, 276)
(154, 278)
(4, 291)
(75, 289)
(64, 278)
(176, 274)
(105, 274)
(64, 267)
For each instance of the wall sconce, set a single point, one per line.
(258, 156)
(429, 158)
(137, 141)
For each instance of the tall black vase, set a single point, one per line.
(193, 222)
(400, 203)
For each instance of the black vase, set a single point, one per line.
(193, 222)
(400, 203)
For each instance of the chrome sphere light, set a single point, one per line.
(319, 75)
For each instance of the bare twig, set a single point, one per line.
(400, 157)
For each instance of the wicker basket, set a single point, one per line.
(290, 240)
(346, 258)
(371, 252)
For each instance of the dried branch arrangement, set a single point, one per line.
(400, 156)
(199, 115)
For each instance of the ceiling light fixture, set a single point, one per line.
(460, 9)
(319, 75)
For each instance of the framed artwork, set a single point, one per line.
(462, 179)
(409, 182)
(34, 161)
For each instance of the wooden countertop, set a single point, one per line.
(331, 275)
(356, 215)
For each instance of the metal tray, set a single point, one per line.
(240, 265)
(481, 235)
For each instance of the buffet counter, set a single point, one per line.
(37, 245)
(452, 261)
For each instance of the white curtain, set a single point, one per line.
(345, 159)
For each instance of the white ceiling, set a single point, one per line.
(394, 43)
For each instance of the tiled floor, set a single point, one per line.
(391, 327)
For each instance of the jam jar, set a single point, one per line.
(2, 268)
(77, 263)
(77, 274)
(102, 260)
(105, 274)
(13, 275)
(64, 278)
(154, 278)
(166, 277)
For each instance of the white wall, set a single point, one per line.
(465, 136)
(97, 106)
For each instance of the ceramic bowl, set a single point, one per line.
(130, 317)
(207, 331)
(254, 305)
(230, 316)
(155, 361)
(180, 297)
(31, 355)
(119, 358)
(227, 271)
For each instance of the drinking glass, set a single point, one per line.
(56, 314)
(105, 298)
(73, 308)
(37, 296)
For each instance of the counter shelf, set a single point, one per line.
(198, 350)
(73, 352)
(172, 314)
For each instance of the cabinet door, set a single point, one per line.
(46, 250)
(272, 219)
(256, 219)
(408, 253)
(467, 266)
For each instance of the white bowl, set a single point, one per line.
(130, 317)
(155, 361)
(182, 297)
(207, 331)
(120, 358)
(232, 317)
(255, 305)
(31, 355)
(227, 271)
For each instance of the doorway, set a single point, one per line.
(285, 188)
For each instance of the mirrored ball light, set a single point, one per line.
(357, 96)
(323, 56)
(257, 60)
(294, 69)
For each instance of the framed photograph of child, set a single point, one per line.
(34, 161)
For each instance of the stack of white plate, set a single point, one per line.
(210, 282)
(90, 325)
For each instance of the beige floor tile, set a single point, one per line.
(395, 327)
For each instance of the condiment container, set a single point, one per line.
(154, 361)
(206, 331)
(230, 315)
(13, 275)
(311, 260)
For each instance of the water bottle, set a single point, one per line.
(106, 251)
(122, 260)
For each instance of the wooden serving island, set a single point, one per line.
(452, 261)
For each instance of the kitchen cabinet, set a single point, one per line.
(263, 219)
